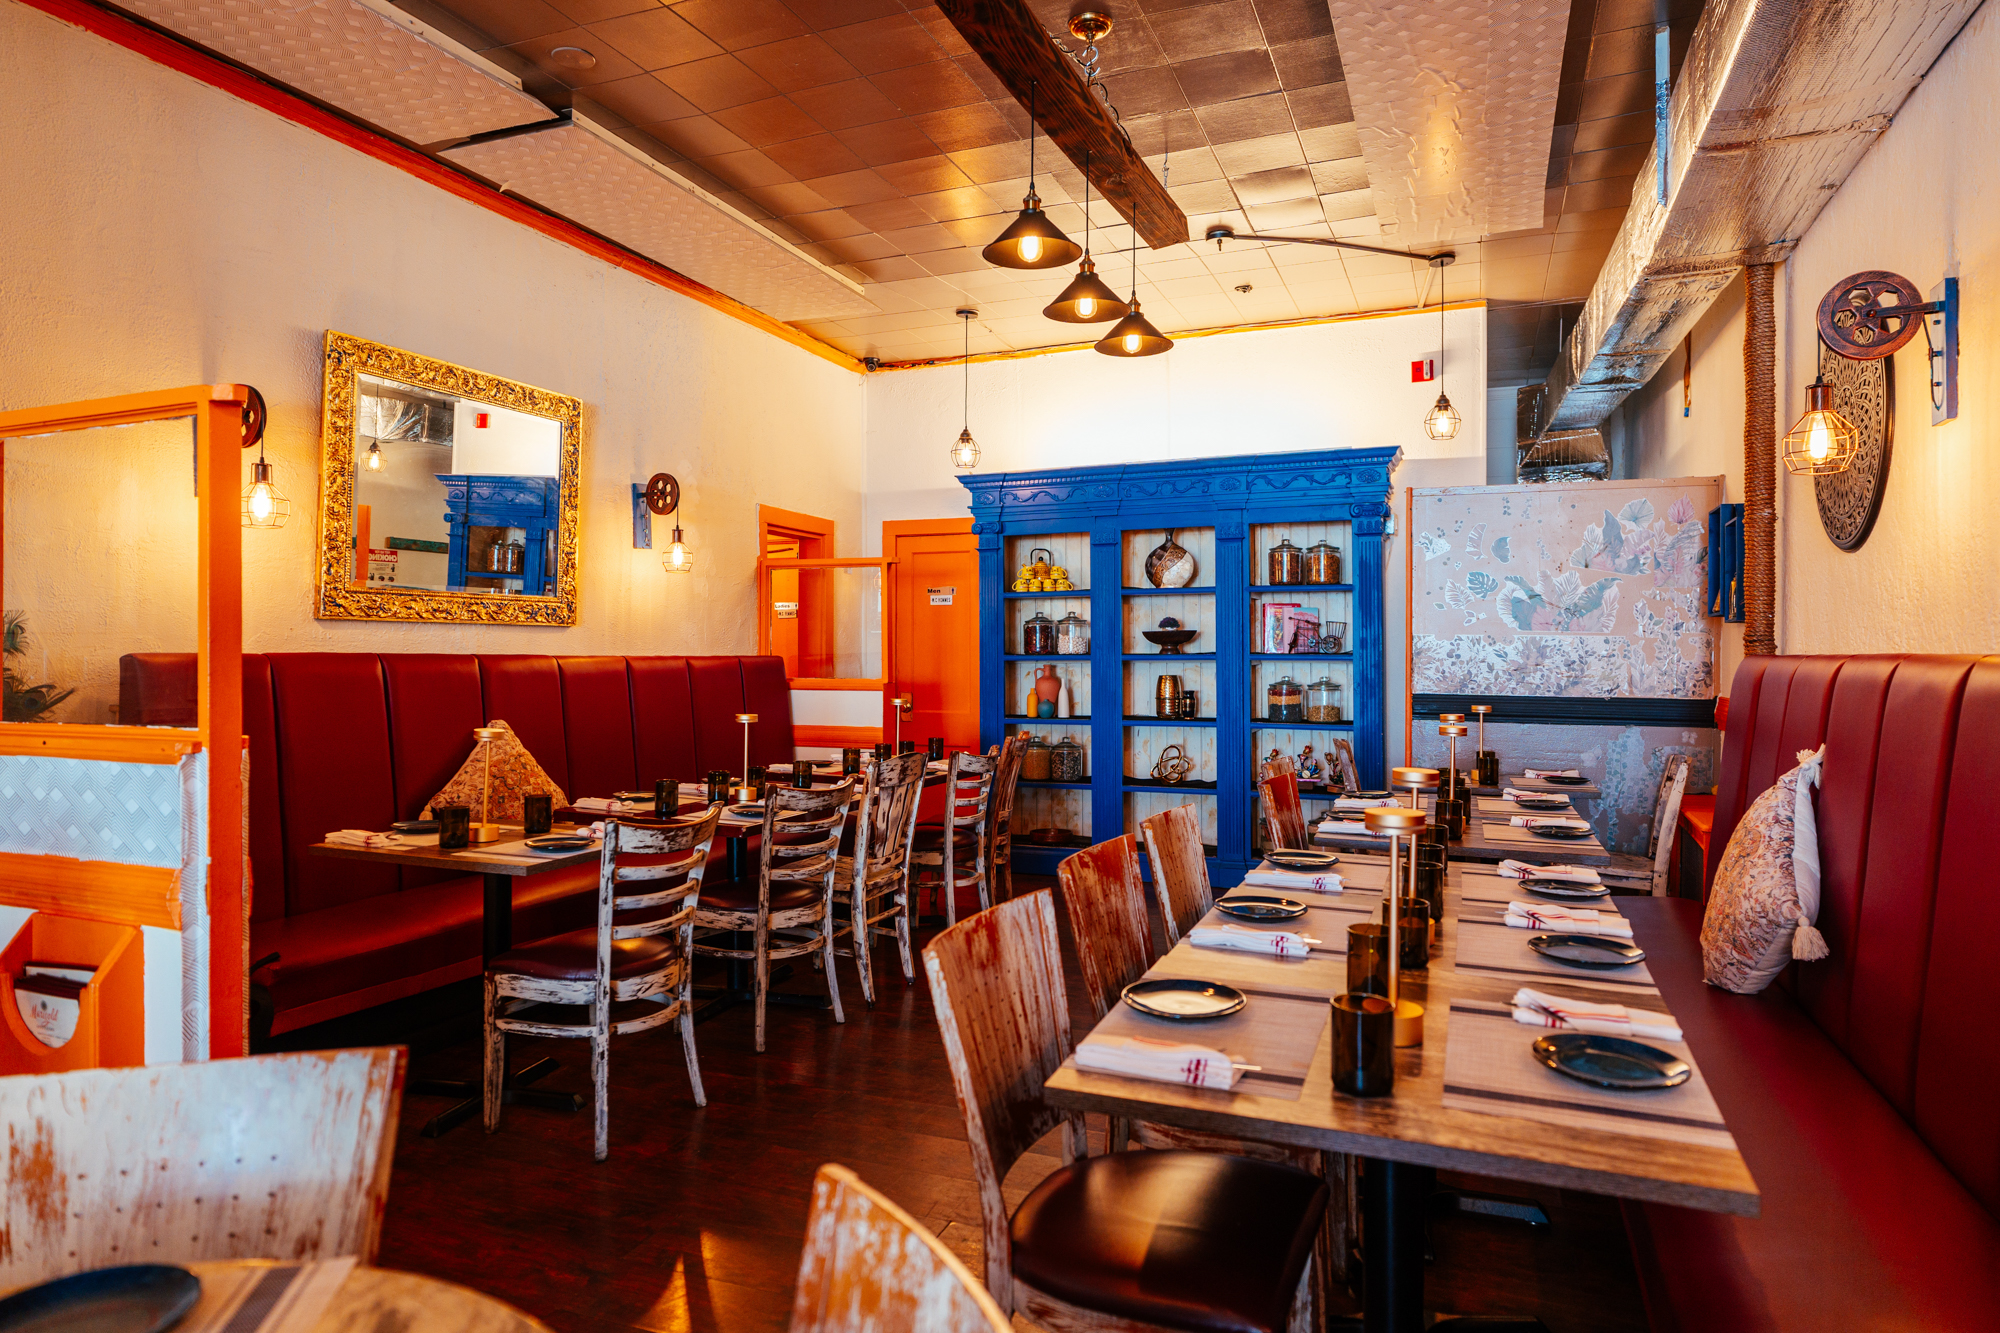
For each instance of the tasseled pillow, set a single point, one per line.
(1766, 893)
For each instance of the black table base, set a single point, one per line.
(471, 1096)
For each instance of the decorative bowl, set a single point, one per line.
(1169, 640)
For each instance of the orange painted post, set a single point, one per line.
(219, 460)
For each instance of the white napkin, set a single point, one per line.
(1165, 1061)
(1357, 802)
(1270, 877)
(1568, 874)
(604, 805)
(1541, 1010)
(359, 837)
(1352, 826)
(1547, 821)
(1515, 794)
(1546, 773)
(1567, 920)
(1283, 943)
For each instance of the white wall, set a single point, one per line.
(159, 232)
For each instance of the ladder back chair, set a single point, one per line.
(869, 1267)
(1284, 816)
(1343, 754)
(1648, 873)
(788, 909)
(1180, 868)
(640, 952)
(1000, 821)
(1136, 1241)
(957, 848)
(878, 873)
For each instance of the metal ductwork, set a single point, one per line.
(1777, 102)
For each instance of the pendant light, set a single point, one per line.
(679, 558)
(1442, 421)
(1134, 335)
(1823, 441)
(965, 453)
(1031, 240)
(263, 505)
(1087, 299)
(375, 455)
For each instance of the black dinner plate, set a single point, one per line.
(1301, 858)
(560, 842)
(1567, 782)
(1560, 833)
(139, 1298)
(1542, 802)
(1592, 951)
(1183, 1000)
(1618, 1063)
(1565, 889)
(1262, 907)
(414, 826)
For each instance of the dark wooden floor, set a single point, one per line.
(695, 1222)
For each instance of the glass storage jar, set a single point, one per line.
(1038, 636)
(1073, 636)
(1066, 760)
(1287, 563)
(1035, 760)
(1322, 563)
(1323, 701)
(1284, 701)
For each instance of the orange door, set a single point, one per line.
(934, 603)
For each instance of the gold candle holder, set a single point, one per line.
(1481, 710)
(746, 719)
(1400, 822)
(1413, 780)
(486, 830)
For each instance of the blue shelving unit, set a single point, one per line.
(1230, 496)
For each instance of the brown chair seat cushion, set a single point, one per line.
(930, 838)
(733, 896)
(573, 957)
(1192, 1240)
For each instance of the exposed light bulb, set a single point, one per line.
(1132, 344)
(1818, 443)
(1031, 248)
(264, 505)
(1086, 307)
(679, 558)
(965, 453)
(375, 456)
(262, 502)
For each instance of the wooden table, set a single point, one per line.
(499, 870)
(1520, 783)
(1410, 1131)
(1483, 841)
(348, 1297)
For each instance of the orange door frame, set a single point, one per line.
(217, 410)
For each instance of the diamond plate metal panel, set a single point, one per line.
(91, 811)
(586, 173)
(1455, 104)
(389, 72)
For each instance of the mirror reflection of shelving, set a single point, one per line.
(1145, 747)
(1141, 806)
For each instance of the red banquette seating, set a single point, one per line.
(1864, 1089)
(359, 740)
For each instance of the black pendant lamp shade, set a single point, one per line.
(1087, 300)
(1031, 241)
(1134, 335)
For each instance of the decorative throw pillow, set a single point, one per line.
(512, 772)
(1766, 893)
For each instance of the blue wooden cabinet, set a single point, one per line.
(529, 503)
(1099, 523)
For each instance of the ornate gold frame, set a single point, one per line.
(338, 598)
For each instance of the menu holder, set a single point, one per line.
(103, 1015)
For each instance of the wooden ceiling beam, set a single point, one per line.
(1017, 49)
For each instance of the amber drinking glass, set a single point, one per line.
(666, 798)
(538, 814)
(1430, 880)
(906, 747)
(850, 761)
(802, 774)
(936, 748)
(1488, 762)
(883, 750)
(454, 826)
(1415, 937)
(718, 785)
(1364, 1044)
(1368, 959)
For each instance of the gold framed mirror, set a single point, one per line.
(445, 494)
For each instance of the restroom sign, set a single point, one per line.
(942, 596)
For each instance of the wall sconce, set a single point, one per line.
(1870, 315)
(661, 495)
(264, 506)
(375, 455)
(1822, 441)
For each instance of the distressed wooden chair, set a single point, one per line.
(788, 909)
(1000, 821)
(1284, 815)
(1134, 1240)
(1648, 873)
(869, 1267)
(1343, 757)
(877, 875)
(271, 1157)
(649, 880)
(957, 848)
(1180, 868)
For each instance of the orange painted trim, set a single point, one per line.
(114, 745)
(198, 64)
(855, 683)
(94, 890)
(922, 527)
(836, 736)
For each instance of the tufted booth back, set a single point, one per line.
(359, 740)
(1910, 894)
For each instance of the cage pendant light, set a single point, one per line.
(1823, 442)
(1442, 421)
(965, 453)
(1087, 299)
(1031, 241)
(264, 506)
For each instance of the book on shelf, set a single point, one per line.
(1271, 636)
(1301, 631)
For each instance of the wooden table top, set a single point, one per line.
(1412, 1124)
(1481, 844)
(421, 849)
(1540, 784)
(356, 1299)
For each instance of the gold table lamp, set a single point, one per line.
(1400, 822)
(486, 830)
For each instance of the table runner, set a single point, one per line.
(266, 1298)
(1488, 946)
(1277, 1030)
(1490, 1067)
(1326, 922)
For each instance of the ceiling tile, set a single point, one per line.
(941, 30)
(1615, 96)
(1620, 52)
(1611, 192)
(1203, 196)
(820, 155)
(736, 24)
(696, 137)
(509, 21)
(1345, 204)
(920, 240)
(944, 263)
(1189, 34)
(770, 121)
(839, 106)
(852, 187)
(1323, 104)
(1274, 186)
(888, 215)
(787, 196)
(1608, 162)
(611, 64)
(990, 85)
(945, 205)
(828, 225)
(1308, 63)
(929, 175)
(1249, 118)
(797, 63)
(655, 38)
(596, 11)
(1143, 92)
(995, 163)
(716, 83)
(888, 141)
(819, 15)
(916, 89)
(1264, 154)
(1285, 21)
(1226, 78)
(1284, 216)
(641, 100)
(1349, 173)
(745, 169)
(1331, 143)
(979, 125)
(884, 43)
(852, 249)
(1612, 132)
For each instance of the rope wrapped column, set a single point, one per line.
(1760, 475)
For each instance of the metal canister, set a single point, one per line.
(1167, 695)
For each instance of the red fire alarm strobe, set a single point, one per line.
(1423, 371)
(481, 420)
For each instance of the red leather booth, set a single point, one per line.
(1864, 1089)
(359, 740)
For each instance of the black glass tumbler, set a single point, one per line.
(1368, 959)
(935, 748)
(802, 774)
(454, 826)
(1488, 762)
(1430, 881)
(1414, 941)
(850, 761)
(754, 776)
(538, 814)
(906, 747)
(1451, 814)
(1364, 1045)
(718, 785)
(883, 750)
(666, 798)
